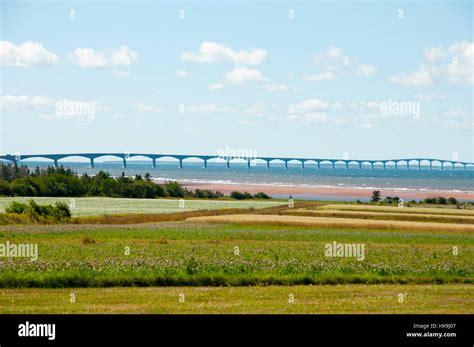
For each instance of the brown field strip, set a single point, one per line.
(414, 217)
(422, 210)
(334, 223)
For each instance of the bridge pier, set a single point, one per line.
(431, 165)
(154, 162)
(319, 164)
(180, 163)
(286, 165)
(302, 164)
(92, 162)
(360, 165)
(333, 165)
(372, 166)
(419, 165)
(408, 165)
(464, 166)
(248, 163)
(55, 162)
(124, 162)
(442, 165)
(347, 165)
(384, 165)
(396, 165)
(205, 163)
(228, 164)
(268, 164)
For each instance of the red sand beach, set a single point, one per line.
(326, 192)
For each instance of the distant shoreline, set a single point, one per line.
(328, 193)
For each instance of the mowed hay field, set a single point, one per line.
(343, 299)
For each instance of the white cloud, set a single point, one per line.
(246, 122)
(429, 97)
(312, 104)
(15, 103)
(275, 87)
(366, 70)
(208, 108)
(323, 76)
(27, 54)
(215, 86)
(213, 52)
(331, 55)
(90, 58)
(454, 64)
(181, 73)
(121, 73)
(421, 78)
(139, 106)
(435, 53)
(461, 67)
(241, 75)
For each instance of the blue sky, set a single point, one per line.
(357, 79)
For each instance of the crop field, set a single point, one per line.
(325, 222)
(101, 206)
(243, 263)
(184, 253)
(406, 209)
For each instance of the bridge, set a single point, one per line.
(396, 163)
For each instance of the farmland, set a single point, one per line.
(226, 261)
(108, 206)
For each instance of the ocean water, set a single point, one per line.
(402, 179)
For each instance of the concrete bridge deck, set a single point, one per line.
(407, 162)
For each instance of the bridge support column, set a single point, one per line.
(431, 165)
(333, 165)
(442, 166)
(228, 164)
(396, 165)
(181, 163)
(268, 164)
(347, 165)
(286, 165)
(408, 165)
(55, 162)
(124, 162)
(154, 163)
(205, 163)
(302, 164)
(248, 163)
(384, 166)
(419, 165)
(319, 164)
(360, 165)
(372, 165)
(464, 166)
(92, 162)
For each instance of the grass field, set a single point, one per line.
(344, 299)
(100, 206)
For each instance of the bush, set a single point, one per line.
(46, 213)
(16, 207)
(261, 195)
(237, 195)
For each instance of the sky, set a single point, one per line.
(358, 80)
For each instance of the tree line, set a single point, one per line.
(64, 182)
